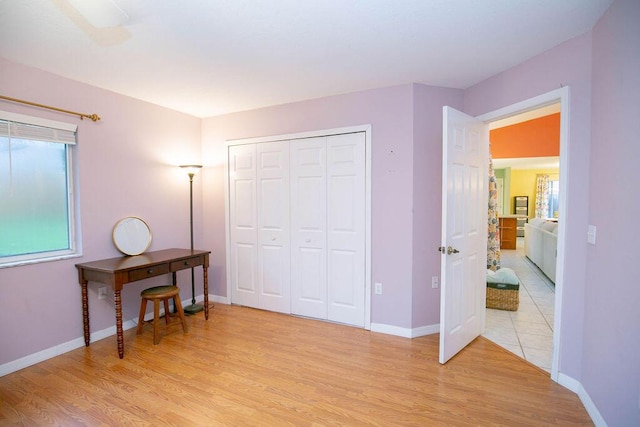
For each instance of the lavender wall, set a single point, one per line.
(126, 167)
(612, 313)
(427, 198)
(391, 115)
(568, 64)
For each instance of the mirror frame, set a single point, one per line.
(131, 235)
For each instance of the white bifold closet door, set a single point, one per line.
(259, 222)
(328, 228)
(297, 226)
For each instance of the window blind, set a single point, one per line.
(32, 128)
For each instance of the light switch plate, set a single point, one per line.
(378, 288)
(591, 234)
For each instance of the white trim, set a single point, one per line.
(37, 121)
(68, 254)
(576, 387)
(311, 134)
(219, 299)
(405, 332)
(559, 95)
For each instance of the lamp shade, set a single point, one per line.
(191, 169)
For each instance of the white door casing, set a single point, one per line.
(561, 95)
(464, 232)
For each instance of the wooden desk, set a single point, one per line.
(122, 270)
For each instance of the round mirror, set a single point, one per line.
(131, 235)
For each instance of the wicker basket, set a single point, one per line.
(503, 296)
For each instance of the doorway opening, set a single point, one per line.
(525, 151)
(561, 98)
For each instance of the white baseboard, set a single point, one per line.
(405, 332)
(576, 387)
(59, 349)
(219, 299)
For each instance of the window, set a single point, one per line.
(554, 195)
(36, 189)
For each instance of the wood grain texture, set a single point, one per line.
(246, 367)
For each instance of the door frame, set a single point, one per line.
(561, 95)
(310, 134)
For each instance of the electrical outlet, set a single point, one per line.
(378, 288)
(434, 282)
(102, 292)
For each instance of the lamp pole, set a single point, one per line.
(193, 308)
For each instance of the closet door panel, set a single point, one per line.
(346, 228)
(243, 225)
(274, 258)
(297, 226)
(308, 227)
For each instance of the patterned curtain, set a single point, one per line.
(542, 196)
(493, 240)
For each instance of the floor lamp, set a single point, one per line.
(192, 170)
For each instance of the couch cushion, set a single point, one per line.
(505, 276)
(536, 222)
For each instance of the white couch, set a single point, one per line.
(540, 245)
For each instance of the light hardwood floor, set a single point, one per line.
(248, 367)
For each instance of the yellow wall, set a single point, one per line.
(523, 183)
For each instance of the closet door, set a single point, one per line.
(274, 256)
(308, 227)
(346, 228)
(243, 235)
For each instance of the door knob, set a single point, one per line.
(452, 250)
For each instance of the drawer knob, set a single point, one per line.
(150, 270)
(186, 263)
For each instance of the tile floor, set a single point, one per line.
(527, 332)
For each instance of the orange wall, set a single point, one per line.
(534, 138)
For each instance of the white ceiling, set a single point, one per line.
(210, 57)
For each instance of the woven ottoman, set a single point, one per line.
(503, 289)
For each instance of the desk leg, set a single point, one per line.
(118, 303)
(206, 292)
(85, 313)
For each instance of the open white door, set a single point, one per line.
(464, 232)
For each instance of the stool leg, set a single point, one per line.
(166, 310)
(178, 305)
(156, 315)
(143, 308)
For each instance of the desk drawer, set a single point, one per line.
(144, 273)
(187, 263)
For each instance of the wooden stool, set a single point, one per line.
(157, 294)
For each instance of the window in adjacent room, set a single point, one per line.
(37, 221)
(554, 196)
